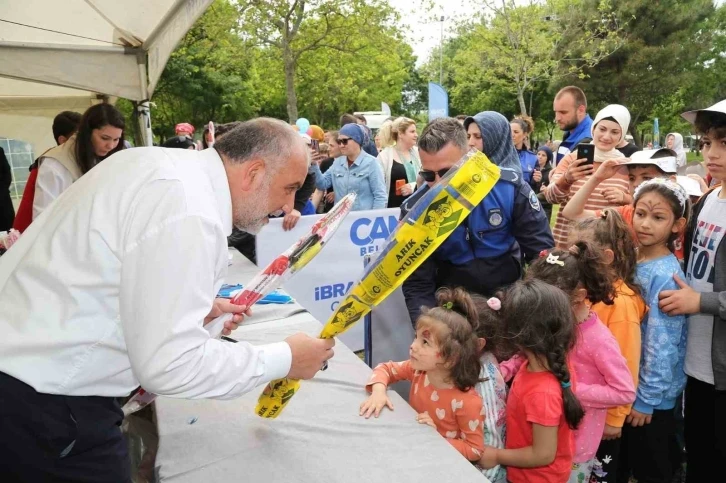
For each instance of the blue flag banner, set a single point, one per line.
(656, 134)
(438, 101)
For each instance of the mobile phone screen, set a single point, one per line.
(315, 145)
(586, 151)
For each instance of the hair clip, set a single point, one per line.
(544, 253)
(448, 305)
(566, 385)
(495, 304)
(555, 260)
(674, 187)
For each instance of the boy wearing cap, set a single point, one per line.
(704, 300)
(642, 166)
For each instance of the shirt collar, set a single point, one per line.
(214, 167)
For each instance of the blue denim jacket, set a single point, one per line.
(364, 177)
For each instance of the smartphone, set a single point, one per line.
(399, 184)
(586, 151)
(315, 145)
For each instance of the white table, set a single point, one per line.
(318, 438)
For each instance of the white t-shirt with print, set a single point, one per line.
(710, 229)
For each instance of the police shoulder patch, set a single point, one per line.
(495, 217)
(534, 202)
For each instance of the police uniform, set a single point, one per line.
(485, 252)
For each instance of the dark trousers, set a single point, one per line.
(608, 456)
(705, 423)
(650, 452)
(45, 437)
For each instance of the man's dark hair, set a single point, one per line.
(178, 142)
(362, 118)
(65, 124)
(712, 124)
(576, 93)
(348, 119)
(441, 131)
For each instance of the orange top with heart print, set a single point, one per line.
(457, 414)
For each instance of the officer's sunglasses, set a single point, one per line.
(430, 176)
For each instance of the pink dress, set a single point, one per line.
(603, 381)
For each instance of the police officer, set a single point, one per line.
(486, 251)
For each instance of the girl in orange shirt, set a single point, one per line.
(443, 370)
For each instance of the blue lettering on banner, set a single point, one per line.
(365, 232)
(325, 292)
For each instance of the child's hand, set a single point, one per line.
(616, 196)
(611, 432)
(375, 402)
(609, 168)
(424, 418)
(636, 418)
(488, 458)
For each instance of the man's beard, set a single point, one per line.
(252, 217)
(571, 124)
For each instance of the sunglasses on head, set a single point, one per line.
(430, 176)
(344, 142)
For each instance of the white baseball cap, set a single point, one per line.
(719, 108)
(666, 159)
(690, 185)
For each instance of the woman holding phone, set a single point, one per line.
(399, 159)
(608, 131)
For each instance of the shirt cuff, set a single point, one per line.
(277, 359)
(642, 407)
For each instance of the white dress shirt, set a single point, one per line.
(53, 179)
(108, 288)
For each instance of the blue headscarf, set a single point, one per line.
(497, 137)
(354, 132)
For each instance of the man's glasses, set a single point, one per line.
(343, 142)
(430, 176)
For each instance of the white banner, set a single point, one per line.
(320, 286)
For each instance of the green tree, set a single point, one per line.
(655, 69)
(512, 48)
(207, 76)
(293, 30)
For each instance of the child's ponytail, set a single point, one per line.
(557, 362)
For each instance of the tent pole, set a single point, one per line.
(143, 111)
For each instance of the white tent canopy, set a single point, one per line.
(58, 55)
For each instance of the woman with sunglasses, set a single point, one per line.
(354, 172)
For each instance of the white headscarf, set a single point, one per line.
(622, 117)
(678, 148)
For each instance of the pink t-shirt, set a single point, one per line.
(603, 381)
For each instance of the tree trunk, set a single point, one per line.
(522, 104)
(289, 63)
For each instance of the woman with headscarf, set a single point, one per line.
(354, 172)
(674, 141)
(399, 159)
(608, 131)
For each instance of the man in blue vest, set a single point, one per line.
(486, 251)
(571, 116)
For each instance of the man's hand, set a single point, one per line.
(290, 220)
(636, 419)
(609, 168)
(224, 306)
(537, 176)
(679, 302)
(611, 432)
(578, 170)
(308, 355)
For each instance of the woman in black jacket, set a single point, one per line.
(541, 177)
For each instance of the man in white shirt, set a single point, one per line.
(109, 289)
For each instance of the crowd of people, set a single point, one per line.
(570, 353)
